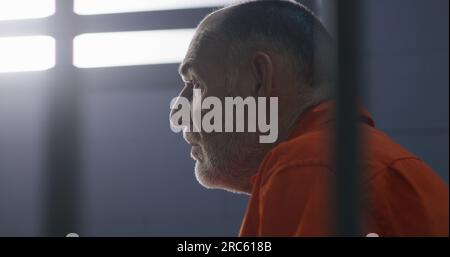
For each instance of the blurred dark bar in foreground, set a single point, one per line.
(63, 172)
(347, 135)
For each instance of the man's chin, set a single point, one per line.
(209, 180)
(203, 177)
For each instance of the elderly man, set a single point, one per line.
(279, 49)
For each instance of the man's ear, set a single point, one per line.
(262, 68)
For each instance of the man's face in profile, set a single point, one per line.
(221, 157)
(201, 73)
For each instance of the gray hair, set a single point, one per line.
(285, 28)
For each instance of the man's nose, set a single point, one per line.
(186, 93)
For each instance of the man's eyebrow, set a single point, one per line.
(184, 67)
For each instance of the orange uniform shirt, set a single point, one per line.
(292, 193)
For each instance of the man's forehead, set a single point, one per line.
(204, 48)
(191, 59)
(206, 45)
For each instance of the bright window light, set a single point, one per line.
(30, 53)
(131, 48)
(88, 7)
(26, 9)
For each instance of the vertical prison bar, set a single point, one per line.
(347, 134)
(63, 174)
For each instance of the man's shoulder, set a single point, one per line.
(315, 148)
(382, 151)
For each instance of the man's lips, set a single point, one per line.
(192, 143)
(196, 152)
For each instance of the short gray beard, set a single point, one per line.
(232, 159)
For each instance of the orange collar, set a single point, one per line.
(318, 116)
(322, 114)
